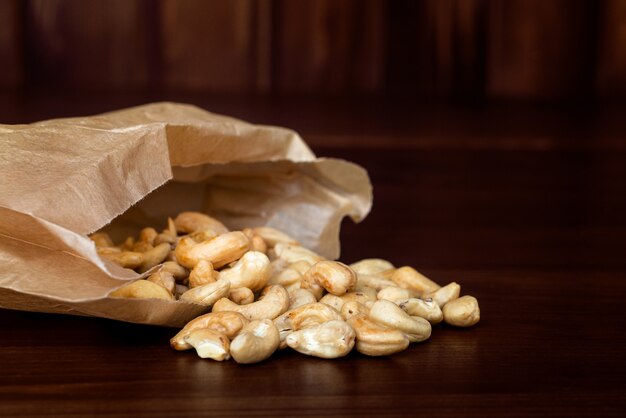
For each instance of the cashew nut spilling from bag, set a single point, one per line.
(264, 292)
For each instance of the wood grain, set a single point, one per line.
(209, 45)
(329, 47)
(611, 67)
(541, 49)
(96, 45)
(11, 44)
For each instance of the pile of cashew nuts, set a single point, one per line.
(266, 292)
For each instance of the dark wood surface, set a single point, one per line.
(470, 49)
(523, 207)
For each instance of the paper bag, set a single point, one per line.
(63, 179)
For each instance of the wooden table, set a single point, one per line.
(524, 208)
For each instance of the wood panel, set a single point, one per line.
(209, 44)
(444, 49)
(10, 45)
(96, 44)
(436, 48)
(541, 49)
(329, 47)
(611, 69)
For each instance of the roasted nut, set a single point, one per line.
(374, 282)
(209, 344)
(462, 312)
(126, 259)
(273, 302)
(101, 239)
(227, 323)
(294, 253)
(253, 270)
(220, 250)
(241, 295)
(375, 340)
(409, 278)
(299, 297)
(148, 235)
(179, 290)
(256, 342)
(390, 315)
(424, 308)
(273, 236)
(354, 308)
(445, 294)
(164, 279)
(141, 289)
(330, 339)
(154, 256)
(203, 273)
(289, 276)
(371, 266)
(394, 294)
(190, 222)
(366, 297)
(179, 272)
(335, 277)
(207, 294)
(304, 316)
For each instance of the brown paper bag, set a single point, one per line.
(63, 179)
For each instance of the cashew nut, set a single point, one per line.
(227, 323)
(366, 297)
(209, 344)
(154, 256)
(179, 272)
(390, 315)
(126, 259)
(445, 294)
(375, 282)
(300, 297)
(241, 295)
(328, 340)
(257, 243)
(207, 294)
(293, 253)
(141, 289)
(148, 235)
(189, 222)
(354, 308)
(462, 312)
(273, 302)
(335, 302)
(394, 294)
(253, 270)
(101, 239)
(179, 290)
(256, 342)
(375, 340)
(304, 316)
(290, 275)
(425, 308)
(371, 266)
(203, 273)
(220, 250)
(164, 279)
(273, 236)
(408, 278)
(335, 277)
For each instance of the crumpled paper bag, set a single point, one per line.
(63, 179)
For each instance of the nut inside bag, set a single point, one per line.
(121, 171)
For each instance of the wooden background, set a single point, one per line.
(467, 50)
